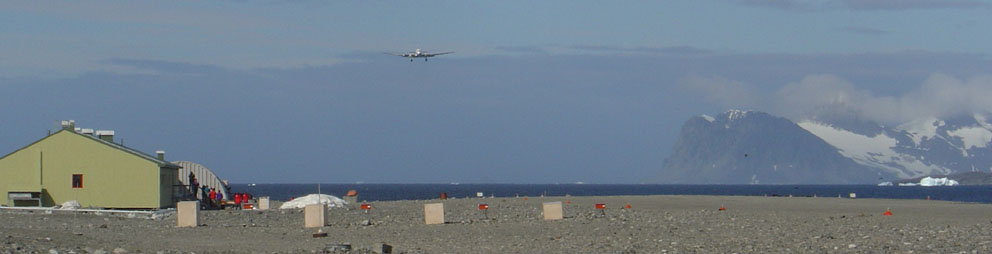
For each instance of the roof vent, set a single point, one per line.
(161, 155)
(105, 135)
(86, 131)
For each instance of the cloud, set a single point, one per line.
(820, 95)
(913, 4)
(522, 49)
(676, 50)
(864, 5)
(864, 30)
(728, 93)
(158, 66)
(775, 4)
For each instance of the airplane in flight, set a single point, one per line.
(418, 53)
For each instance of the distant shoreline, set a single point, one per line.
(390, 192)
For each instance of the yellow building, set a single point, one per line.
(87, 166)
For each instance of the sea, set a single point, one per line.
(389, 192)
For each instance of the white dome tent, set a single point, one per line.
(311, 199)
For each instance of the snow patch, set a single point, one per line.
(708, 118)
(921, 128)
(875, 151)
(735, 114)
(70, 205)
(973, 136)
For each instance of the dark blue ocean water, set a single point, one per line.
(386, 192)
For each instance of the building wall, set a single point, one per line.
(112, 178)
(168, 179)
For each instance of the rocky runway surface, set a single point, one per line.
(653, 224)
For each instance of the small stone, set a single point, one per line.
(119, 251)
(53, 251)
(852, 246)
(100, 251)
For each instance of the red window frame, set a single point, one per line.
(77, 181)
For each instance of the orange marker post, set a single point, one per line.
(887, 212)
(601, 208)
(722, 208)
(628, 206)
(485, 210)
(368, 210)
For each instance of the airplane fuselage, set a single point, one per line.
(421, 54)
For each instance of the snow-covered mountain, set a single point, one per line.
(742, 147)
(824, 150)
(917, 148)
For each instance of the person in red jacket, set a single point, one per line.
(213, 196)
(237, 200)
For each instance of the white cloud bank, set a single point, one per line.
(938, 96)
(865, 5)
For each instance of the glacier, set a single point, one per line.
(875, 151)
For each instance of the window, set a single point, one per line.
(77, 181)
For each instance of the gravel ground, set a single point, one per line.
(654, 224)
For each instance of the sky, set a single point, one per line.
(536, 92)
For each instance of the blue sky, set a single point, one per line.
(537, 92)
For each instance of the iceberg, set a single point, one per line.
(885, 184)
(311, 199)
(930, 181)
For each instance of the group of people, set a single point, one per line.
(211, 197)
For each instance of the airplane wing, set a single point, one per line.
(395, 54)
(438, 54)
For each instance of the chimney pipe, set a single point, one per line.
(161, 155)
